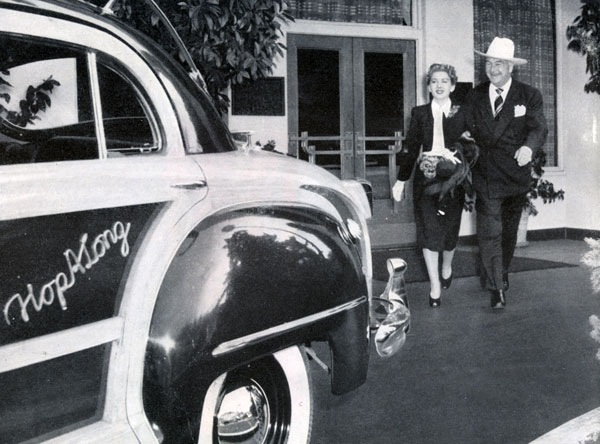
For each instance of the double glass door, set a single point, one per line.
(349, 102)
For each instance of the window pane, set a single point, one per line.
(384, 98)
(45, 107)
(126, 124)
(396, 12)
(319, 103)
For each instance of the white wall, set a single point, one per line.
(444, 35)
(579, 131)
(448, 36)
(265, 128)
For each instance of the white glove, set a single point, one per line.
(523, 155)
(467, 136)
(445, 153)
(398, 191)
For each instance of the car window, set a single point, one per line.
(127, 126)
(46, 106)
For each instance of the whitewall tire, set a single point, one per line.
(268, 401)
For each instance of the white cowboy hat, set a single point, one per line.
(503, 49)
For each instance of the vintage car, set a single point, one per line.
(156, 283)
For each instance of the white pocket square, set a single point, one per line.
(520, 110)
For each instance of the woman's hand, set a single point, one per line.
(398, 191)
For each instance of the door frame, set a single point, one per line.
(360, 45)
(395, 221)
(343, 45)
(351, 85)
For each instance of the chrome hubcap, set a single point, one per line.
(244, 415)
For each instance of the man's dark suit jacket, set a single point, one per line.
(520, 122)
(420, 132)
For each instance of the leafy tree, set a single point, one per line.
(37, 98)
(584, 39)
(231, 41)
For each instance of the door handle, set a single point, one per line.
(191, 185)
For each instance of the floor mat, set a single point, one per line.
(465, 264)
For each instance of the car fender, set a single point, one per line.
(243, 284)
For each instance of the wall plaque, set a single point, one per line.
(262, 97)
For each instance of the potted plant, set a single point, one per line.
(538, 188)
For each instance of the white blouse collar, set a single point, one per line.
(445, 107)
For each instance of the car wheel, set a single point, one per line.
(268, 401)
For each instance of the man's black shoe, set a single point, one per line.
(483, 280)
(498, 299)
(505, 282)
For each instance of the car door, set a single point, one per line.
(92, 174)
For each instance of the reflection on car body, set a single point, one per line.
(158, 285)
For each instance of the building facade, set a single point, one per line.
(354, 69)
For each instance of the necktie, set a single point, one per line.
(498, 102)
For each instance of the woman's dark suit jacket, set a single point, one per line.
(420, 133)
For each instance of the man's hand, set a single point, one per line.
(523, 155)
(398, 191)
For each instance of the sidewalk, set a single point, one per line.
(468, 375)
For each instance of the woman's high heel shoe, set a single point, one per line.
(446, 282)
(435, 303)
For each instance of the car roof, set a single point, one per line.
(85, 12)
(76, 10)
(88, 13)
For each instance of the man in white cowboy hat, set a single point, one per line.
(508, 124)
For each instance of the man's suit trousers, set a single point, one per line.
(497, 226)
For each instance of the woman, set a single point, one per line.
(433, 127)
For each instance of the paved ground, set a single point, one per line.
(470, 375)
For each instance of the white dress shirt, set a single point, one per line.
(494, 94)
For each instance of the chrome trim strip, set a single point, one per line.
(54, 345)
(234, 344)
(97, 104)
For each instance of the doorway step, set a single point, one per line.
(389, 229)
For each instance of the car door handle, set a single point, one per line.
(191, 185)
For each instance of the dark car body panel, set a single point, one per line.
(245, 272)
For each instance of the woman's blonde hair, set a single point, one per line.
(448, 69)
